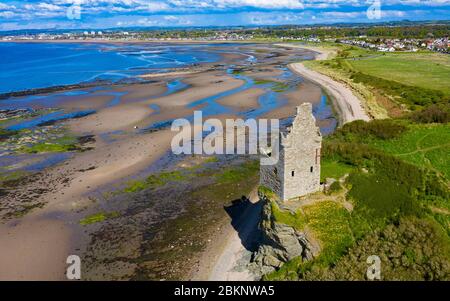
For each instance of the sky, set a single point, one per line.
(97, 14)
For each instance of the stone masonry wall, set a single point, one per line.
(298, 170)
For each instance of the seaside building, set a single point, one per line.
(297, 172)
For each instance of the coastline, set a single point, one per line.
(77, 185)
(124, 41)
(223, 265)
(348, 106)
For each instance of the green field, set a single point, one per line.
(423, 145)
(424, 69)
(333, 169)
(390, 84)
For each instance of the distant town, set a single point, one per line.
(377, 38)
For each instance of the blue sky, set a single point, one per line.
(44, 14)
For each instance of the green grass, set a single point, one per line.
(423, 145)
(426, 70)
(390, 80)
(296, 220)
(98, 217)
(329, 223)
(335, 187)
(380, 199)
(334, 169)
(413, 249)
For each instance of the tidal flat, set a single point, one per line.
(106, 186)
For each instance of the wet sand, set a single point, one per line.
(245, 100)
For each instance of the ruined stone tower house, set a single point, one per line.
(297, 172)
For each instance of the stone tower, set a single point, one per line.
(297, 172)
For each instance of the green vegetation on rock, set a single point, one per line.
(237, 174)
(154, 181)
(98, 217)
(274, 85)
(296, 220)
(329, 223)
(46, 147)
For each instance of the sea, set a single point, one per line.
(25, 66)
(31, 65)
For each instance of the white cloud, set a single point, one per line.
(269, 4)
(4, 6)
(48, 7)
(7, 14)
(212, 12)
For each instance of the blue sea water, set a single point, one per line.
(26, 66)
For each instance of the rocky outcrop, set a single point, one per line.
(280, 243)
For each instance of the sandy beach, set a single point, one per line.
(346, 103)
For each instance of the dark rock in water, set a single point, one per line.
(84, 85)
(86, 139)
(87, 169)
(15, 113)
(5, 134)
(52, 89)
(157, 126)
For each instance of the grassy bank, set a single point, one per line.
(390, 83)
(399, 200)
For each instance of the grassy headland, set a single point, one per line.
(396, 201)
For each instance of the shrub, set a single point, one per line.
(380, 199)
(382, 129)
(432, 114)
(335, 187)
(410, 95)
(415, 249)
